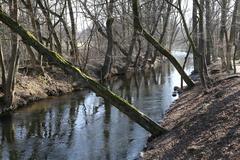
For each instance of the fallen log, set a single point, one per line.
(120, 103)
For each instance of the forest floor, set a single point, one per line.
(202, 124)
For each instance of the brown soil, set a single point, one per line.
(202, 125)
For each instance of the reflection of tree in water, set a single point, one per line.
(163, 73)
(84, 109)
(146, 77)
(8, 130)
(154, 76)
(59, 114)
(8, 136)
(127, 84)
(158, 74)
(137, 82)
(72, 117)
(106, 128)
(36, 126)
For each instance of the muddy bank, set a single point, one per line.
(202, 125)
(34, 87)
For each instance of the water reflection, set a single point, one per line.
(84, 126)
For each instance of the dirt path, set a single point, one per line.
(201, 125)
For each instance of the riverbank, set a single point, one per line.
(34, 87)
(202, 125)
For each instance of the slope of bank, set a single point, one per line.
(202, 125)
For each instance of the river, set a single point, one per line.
(85, 127)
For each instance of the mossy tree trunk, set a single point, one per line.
(102, 91)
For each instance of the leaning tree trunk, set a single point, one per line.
(155, 43)
(67, 66)
(199, 57)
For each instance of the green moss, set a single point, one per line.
(31, 35)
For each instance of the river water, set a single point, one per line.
(83, 126)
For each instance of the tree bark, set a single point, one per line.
(208, 33)
(10, 83)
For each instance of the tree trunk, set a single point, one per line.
(195, 34)
(3, 67)
(130, 50)
(201, 44)
(106, 69)
(222, 30)
(208, 33)
(102, 91)
(10, 83)
(232, 36)
(74, 40)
